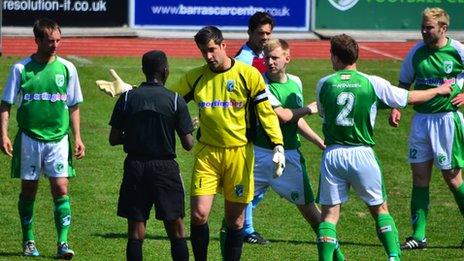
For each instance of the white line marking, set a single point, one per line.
(380, 52)
(79, 60)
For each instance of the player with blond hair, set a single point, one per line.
(348, 101)
(437, 128)
(285, 92)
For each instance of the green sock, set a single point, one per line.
(388, 235)
(326, 241)
(338, 255)
(62, 214)
(419, 210)
(26, 215)
(459, 197)
(222, 237)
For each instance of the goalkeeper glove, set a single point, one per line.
(114, 88)
(278, 158)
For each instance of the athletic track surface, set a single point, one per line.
(135, 47)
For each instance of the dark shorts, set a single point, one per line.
(151, 182)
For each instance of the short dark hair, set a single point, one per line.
(207, 34)
(154, 62)
(41, 26)
(345, 48)
(260, 18)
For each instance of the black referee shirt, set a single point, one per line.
(148, 116)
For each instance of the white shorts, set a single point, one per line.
(345, 166)
(294, 183)
(37, 156)
(437, 136)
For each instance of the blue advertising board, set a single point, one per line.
(231, 15)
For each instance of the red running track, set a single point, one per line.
(94, 46)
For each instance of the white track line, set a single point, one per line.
(380, 52)
(78, 59)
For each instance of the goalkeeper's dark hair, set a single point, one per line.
(155, 65)
(207, 34)
(259, 19)
(43, 26)
(345, 48)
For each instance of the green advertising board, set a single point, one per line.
(381, 14)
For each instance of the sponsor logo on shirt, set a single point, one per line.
(45, 96)
(435, 81)
(219, 103)
(59, 79)
(347, 85)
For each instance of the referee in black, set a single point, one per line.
(143, 121)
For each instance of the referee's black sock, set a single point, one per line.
(199, 236)
(134, 250)
(233, 245)
(179, 250)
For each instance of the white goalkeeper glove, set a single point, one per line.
(114, 88)
(278, 158)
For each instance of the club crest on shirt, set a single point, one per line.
(448, 66)
(230, 85)
(239, 190)
(59, 80)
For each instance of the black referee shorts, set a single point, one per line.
(151, 182)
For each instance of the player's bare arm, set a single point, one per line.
(416, 97)
(305, 130)
(459, 99)
(287, 115)
(395, 114)
(79, 148)
(6, 145)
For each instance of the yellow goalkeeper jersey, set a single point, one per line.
(230, 104)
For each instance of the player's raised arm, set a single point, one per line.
(115, 87)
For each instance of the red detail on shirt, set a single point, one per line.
(259, 64)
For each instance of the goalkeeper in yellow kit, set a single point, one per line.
(231, 99)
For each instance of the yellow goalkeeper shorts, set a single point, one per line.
(226, 170)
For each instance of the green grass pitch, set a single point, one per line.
(98, 234)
